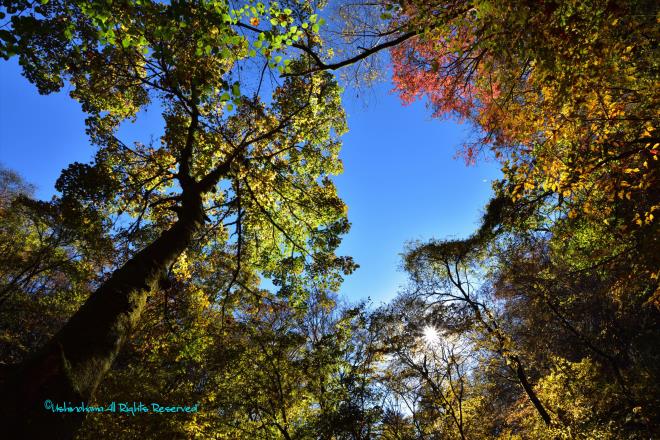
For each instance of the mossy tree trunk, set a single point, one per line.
(72, 364)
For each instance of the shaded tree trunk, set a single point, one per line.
(494, 330)
(522, 378)
(72, 364)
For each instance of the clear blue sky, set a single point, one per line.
(400, 182)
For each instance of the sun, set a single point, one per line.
(431, 336)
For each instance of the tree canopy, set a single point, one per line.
(143, 278)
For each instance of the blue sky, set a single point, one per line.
(400, 182)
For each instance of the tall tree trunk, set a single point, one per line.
(71, 365)
(494, 330)
(529, 390)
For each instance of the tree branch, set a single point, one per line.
(320, 65)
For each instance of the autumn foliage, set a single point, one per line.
(563, 93)
(142, 279)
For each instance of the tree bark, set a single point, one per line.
(71, 365)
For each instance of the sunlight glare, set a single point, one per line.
(431, 336)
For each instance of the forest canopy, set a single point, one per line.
(142, 279)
